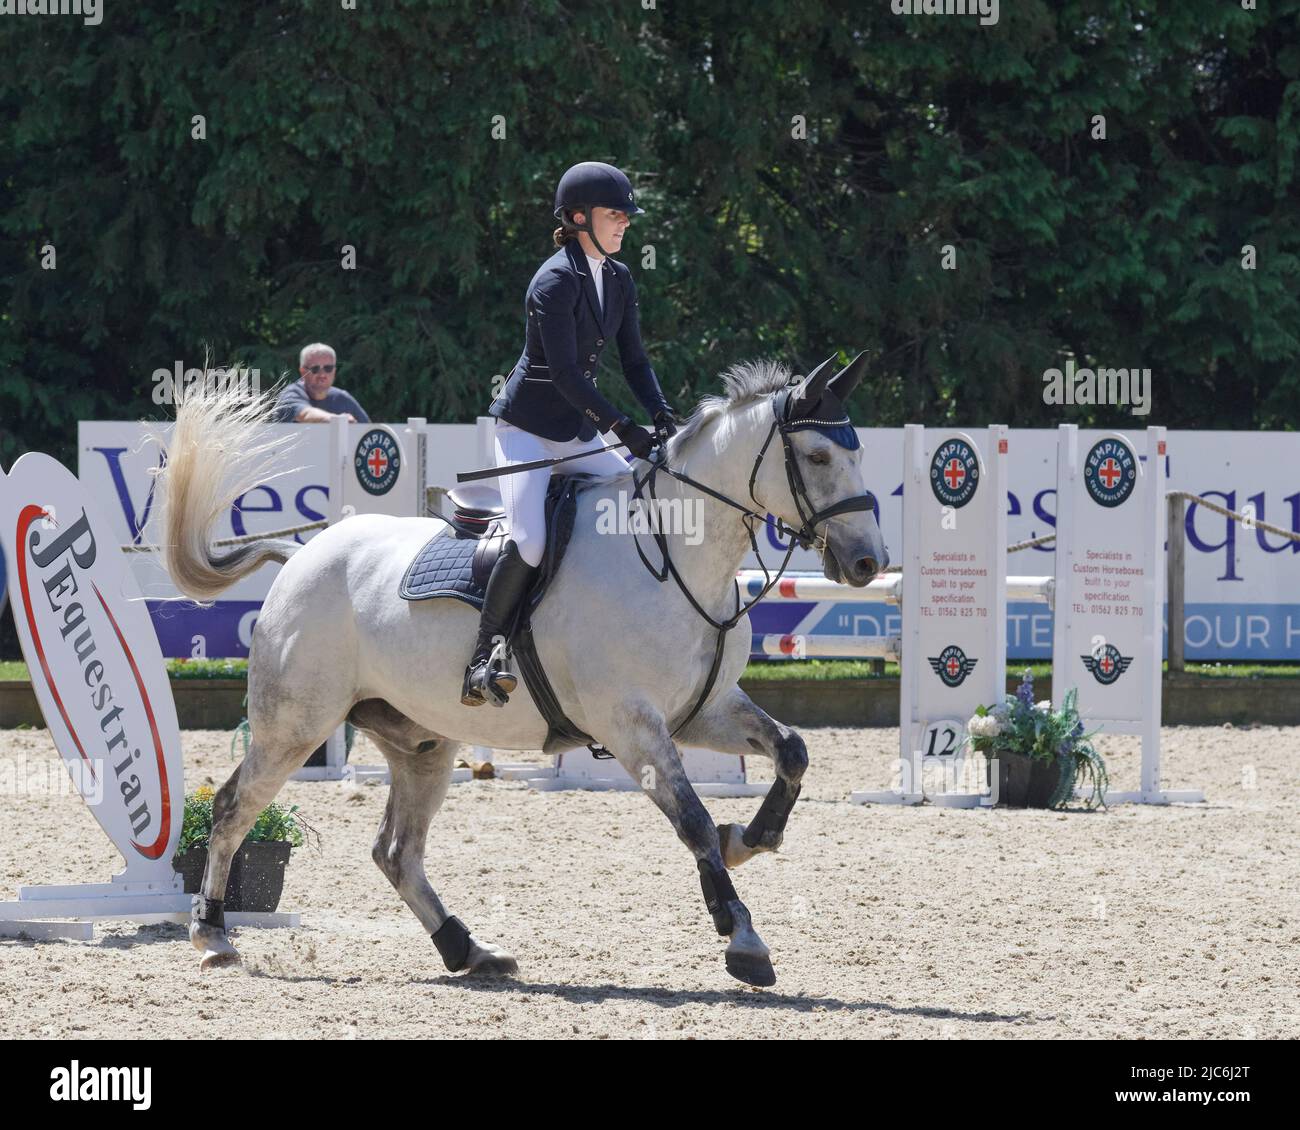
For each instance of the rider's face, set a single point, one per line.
(610, 224)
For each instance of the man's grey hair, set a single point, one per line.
(315, 347)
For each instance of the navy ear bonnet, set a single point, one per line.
(828, 416)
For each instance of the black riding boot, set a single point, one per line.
(510, 579)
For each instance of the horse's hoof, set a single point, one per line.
(752, 969)
(734, 851)
(219, 959)
(499, 966)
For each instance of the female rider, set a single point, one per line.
(578, 300)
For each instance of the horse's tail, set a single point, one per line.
(217, 452)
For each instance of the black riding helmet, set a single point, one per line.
(593, 184)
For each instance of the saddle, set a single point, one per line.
(457, 562)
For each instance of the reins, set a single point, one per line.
(805, 535)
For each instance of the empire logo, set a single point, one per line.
(952, 665)
(1107, 665)
(103, 1084)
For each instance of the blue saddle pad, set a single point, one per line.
(450, 564)
(444, 567)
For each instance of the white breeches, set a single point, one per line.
(523, 496)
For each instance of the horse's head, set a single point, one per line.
(820, 490)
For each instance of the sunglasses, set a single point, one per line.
(318, 368)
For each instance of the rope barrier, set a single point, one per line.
(244, 540)
(1197, 500)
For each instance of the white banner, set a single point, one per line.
(1243, 585)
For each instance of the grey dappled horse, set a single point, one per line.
(627, 654)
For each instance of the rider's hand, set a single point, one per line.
(666, 423)
(640, 442)
(351, 419)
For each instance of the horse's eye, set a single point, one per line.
(818, 457)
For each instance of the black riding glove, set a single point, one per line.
(639, 441)
(666, 423)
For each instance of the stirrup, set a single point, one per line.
(487, 681)
(502, 678)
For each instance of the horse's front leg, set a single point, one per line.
(733, 724)
(645, 749)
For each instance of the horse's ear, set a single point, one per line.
(809, 390)
(846, 380)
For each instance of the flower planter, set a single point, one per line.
(1024, 782)
(256, 874)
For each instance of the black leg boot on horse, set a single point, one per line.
(485, 681)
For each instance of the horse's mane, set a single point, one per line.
(742, 383)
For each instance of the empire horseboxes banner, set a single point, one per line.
(1110, 579)
(95, 663)
(1110, 575)
(954, 586)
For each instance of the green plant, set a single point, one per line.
(274, 823)
(1018, 725)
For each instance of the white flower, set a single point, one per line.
(1045, 706)
(984, 727)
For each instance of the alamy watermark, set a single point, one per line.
(91, 11)
(170, 386)
(623, 515)
(987, 10)
(1098, 386)
(46, 777)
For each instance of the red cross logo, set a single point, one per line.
(954, 473)
(954, 668)
(1106, 664)
(1110, 473)
(377, 461)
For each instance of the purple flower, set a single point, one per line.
(1025, 692)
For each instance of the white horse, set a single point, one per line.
(626, 653)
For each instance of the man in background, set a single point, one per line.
(313, 399)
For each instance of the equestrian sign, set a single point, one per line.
(95, 663)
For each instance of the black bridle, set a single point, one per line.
(806, 535)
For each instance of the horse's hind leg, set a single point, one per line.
(734, 724)
(420, 763)
(235, 808)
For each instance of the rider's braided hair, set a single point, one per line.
(562, 235)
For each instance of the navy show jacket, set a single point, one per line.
(552, 389)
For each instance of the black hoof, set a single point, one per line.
(752, 970)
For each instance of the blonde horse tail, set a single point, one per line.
(217, 452)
